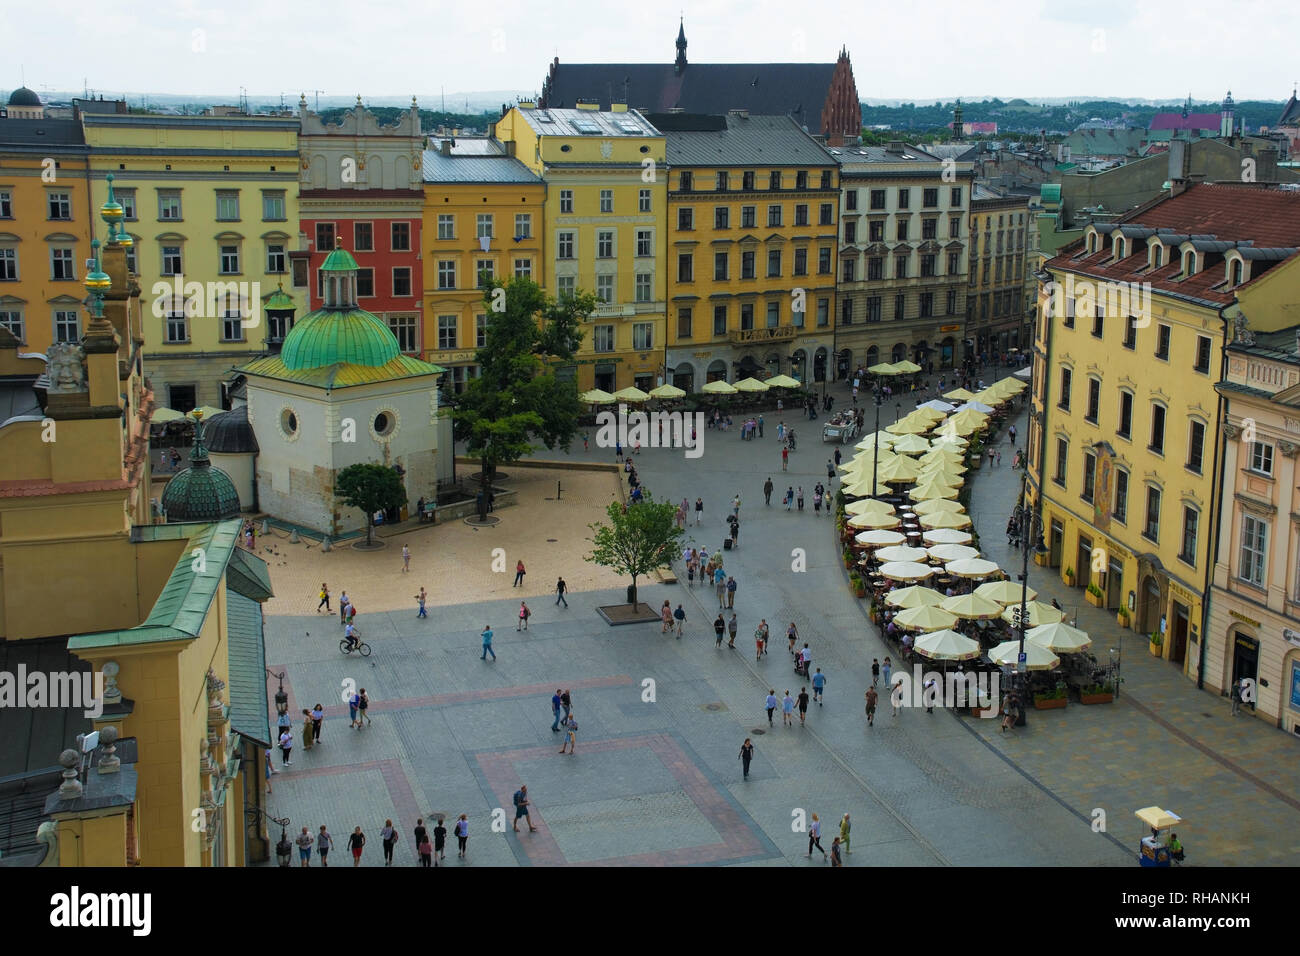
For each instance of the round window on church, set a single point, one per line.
(383, 424)
(288, 423)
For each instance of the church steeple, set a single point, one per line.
(680, 63)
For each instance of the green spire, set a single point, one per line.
(97, 282)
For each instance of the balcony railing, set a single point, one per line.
(779, 334)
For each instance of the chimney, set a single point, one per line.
(895, 146)
(587, 105)
(445, 147)
(527, 105)
(1179, 165)
(1266, 165)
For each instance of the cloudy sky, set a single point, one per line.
(901, 49)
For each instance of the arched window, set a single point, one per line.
(1189, 263)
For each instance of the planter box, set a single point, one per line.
(1096, 698)
(1122, 620)
(1041, 559)
(1157, 650)
(1054, 704)
(860, 592)
(1096, 600)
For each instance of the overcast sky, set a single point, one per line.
(923, 51)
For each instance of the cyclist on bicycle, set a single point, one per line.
(350, 635)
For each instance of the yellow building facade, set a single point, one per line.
(1123, 441)
(45, 230)
(999, 262)
(606, 190)
(211, 204)
(752, 222)
(484, 217)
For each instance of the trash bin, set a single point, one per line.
(630, 592)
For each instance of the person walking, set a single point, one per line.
(719, 628)
(1008, 712)
(1011, 431)
(792, 635)
(270, 769)
(845, 828)
(420, 599)
(760, 426)
(787, 710)
(819, 685)
(282, 723)
(521, 808)
(422, 844)
(803, 705)
(519, 574)
(462, 835)
(896, 697)
(771, 704)
(830, 471)
(805, 657)
(928, 694)
(356, 843)
(560, 589)
(524, 615)
(785, 458)
(735, 505)
(566, 701)
(767, 491)
(817, 501)
(1235, 698)
(324, 598)
(406, 558)
(789, 497)
(317, 718)
(344, 603)
(680, 615)
(324, 843)
(439, 842)
(555, 709)
(799, 497)
(665, 616)
(389, 837)
(872, 697)
(815, 835)
(836, 859)
(999, 459)
(305, 842)
(699, 511)
(886, 669)
(731, 593)
(487, 644)
(570, 735)
(363, 704)
(838, 459)
(307, 736)
(746, 755)
(875, 671)
(286, 746)
(354, 702)
(732, 627)
(720, 586)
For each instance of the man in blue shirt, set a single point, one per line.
(555, 708)
(819, 684)
(487, 644)
(771, 705)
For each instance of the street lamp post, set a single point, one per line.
(878, 394)
(284, 848)
(1030, 524)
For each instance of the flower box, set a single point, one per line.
(1046, 703)
(1096, 698)
(1096, 600)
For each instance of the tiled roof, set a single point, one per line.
(247, 657)
(575, 122)
(474, 168)
(1214, 213)
(341, 375)
(769, 89)
(1192, 121)
(36, 487)
(41, 132)
(756, 140)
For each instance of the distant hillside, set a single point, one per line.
(429, 119)
(1021, 116)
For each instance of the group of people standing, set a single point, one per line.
(430, 846)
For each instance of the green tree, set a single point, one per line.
(637, 541)
(516, 399)
(371, 488)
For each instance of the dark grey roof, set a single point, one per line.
(18, 399)
(41, 132)
(34, 737)
(475, 169)
(770, 89)
(957, 152)
(24, 97)
(756, 140)
(1290, 113)
(229, 433)
(248, 704)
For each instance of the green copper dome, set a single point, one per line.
(201, 492)
(279, 301)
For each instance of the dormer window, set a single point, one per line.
(1119, 247)
(1236, 272)
(1157, 255)
(1092, 243)
(1189, 263)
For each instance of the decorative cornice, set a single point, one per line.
(1288, 449)
(1232, 431)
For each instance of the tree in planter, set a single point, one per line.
(638, 541)
(515, 400)
(371, 488)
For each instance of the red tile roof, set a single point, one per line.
(40, 487)
(1270, 218)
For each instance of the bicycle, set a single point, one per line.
(361, 647)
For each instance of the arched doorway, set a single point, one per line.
(899, 352)
(920, 353)
(772, 365)
(844, 364)
(819, 365)
(873, 356)
(1243, 652)
(717, 372)
(1152, 605)
(945, 353)
(684, 377)
(747, 367)
(799, 365)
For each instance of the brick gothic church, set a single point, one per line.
(821, 96)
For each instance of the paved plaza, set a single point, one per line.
(656, 778)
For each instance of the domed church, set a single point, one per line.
(340, 393)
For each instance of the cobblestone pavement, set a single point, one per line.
(656, 778)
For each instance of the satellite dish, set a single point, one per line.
(89, 742)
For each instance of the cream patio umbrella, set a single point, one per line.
(911, 445)
(597, 396)
(1037, 657)
(924, 618)
(161, 415)
(952, 428)
(914, 596)
(978, 419)
(1037, 612)
(907, 367)
(667, 391)
(1004, 592)
(751, 385)
(946, 646)
(874, 521)
(926, 413)
(929, 506)
(945, 519)
(879, 538)
(631, 394)
(884, 368)
(972, 607)
(938, 405)
(909, 426)
(949, 443)
(864, 506)
(901, 552)
(952, 552)
(869, 442)
(898, 470)
(1059, 638)
(933, 488)
(959, 395)
(941, 472)
(988, 397)
(718, 387)
(905, 570)
(946, 536)
(1011, 384)
(972, 568)
(782, 381)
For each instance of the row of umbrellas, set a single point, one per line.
(632, 394)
